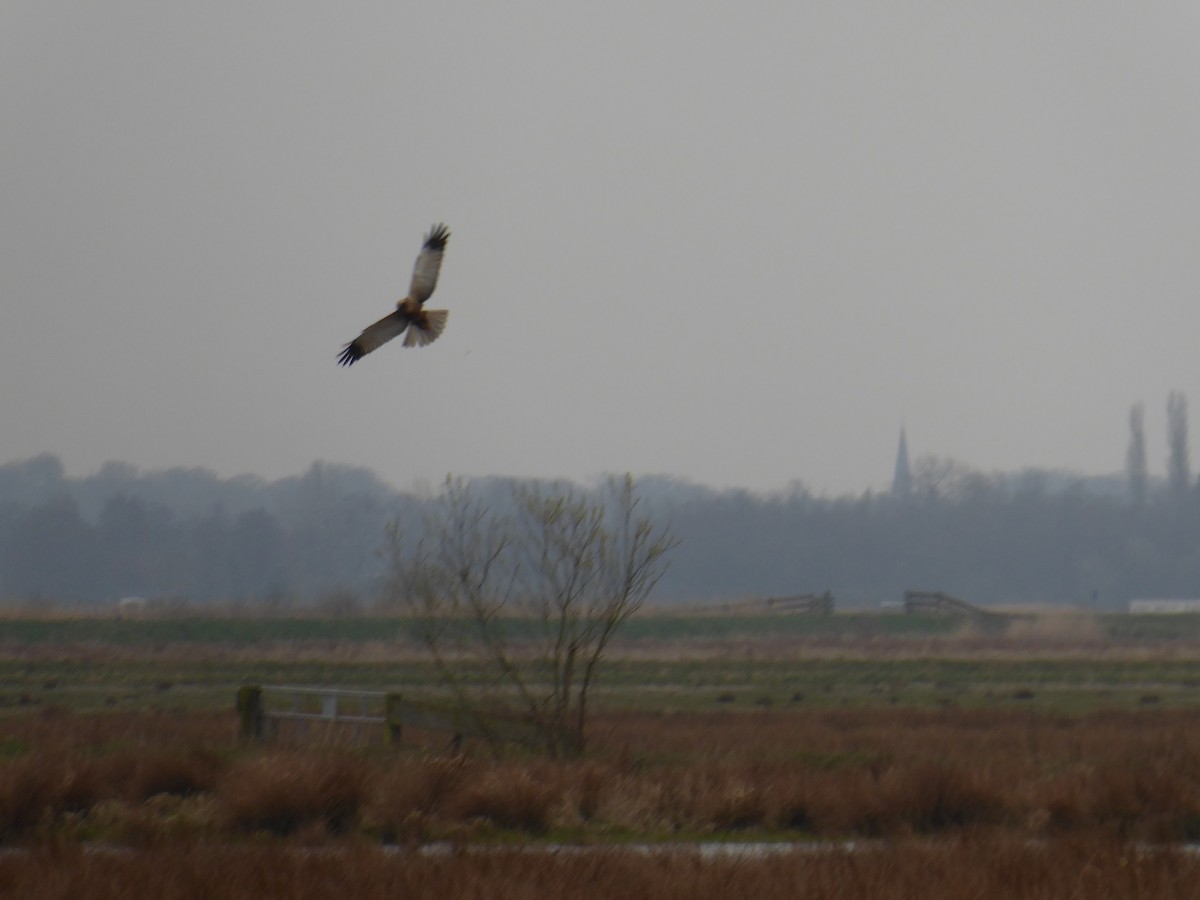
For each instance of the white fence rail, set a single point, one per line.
(261, 708)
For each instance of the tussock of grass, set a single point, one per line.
(180, 773)
(283, 792)
(408, 799)
(29, 792)
(939, 795)
(514, 799)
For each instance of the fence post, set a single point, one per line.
(250, 711)
(391, 716)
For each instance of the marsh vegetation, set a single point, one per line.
(902, 765)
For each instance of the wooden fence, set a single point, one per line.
(261, 709)
(816, 604)
(810, 604)
(938, 602)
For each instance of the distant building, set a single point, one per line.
(902, 480)
(131, 606)
(1172, 607)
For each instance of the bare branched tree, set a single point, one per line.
(940, 478)
(520, 606)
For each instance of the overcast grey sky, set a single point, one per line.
(740, 243)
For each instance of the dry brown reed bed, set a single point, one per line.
(1098, 869)
(138, 779)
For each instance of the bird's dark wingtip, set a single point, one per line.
(437, 237)
(350, 355)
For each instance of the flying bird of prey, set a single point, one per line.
(423, 325)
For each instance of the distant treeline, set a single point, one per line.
(186, 534)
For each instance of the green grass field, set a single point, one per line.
(660, 662)
(1071, 686)
(647, 627)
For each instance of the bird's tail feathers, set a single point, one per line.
(427, 328)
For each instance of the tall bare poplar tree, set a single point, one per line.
(1179, 476)
(1135, 457)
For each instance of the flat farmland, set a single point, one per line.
(671, 626)
(879, 756)
(663, 662)
(1066, 686)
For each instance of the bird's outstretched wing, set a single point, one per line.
(429, 263)
(374, 336)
